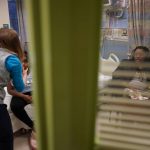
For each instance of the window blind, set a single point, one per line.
(121, 122)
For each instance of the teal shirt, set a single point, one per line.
(14, 66)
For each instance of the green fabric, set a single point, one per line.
(64, 54)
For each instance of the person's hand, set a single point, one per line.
(24, 74)
(27, 98)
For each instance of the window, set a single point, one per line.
(13, 15)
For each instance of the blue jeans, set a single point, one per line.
(6, 132)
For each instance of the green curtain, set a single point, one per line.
(64, 52)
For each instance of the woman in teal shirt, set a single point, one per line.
(11, 55)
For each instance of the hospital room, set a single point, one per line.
(123, 99)
(90, 66)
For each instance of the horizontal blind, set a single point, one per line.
(121, 122)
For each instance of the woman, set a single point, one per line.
(133, 72)
(21, 99)
(10, 69)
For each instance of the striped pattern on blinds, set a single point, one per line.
(121, 122)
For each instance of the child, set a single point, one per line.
(133, 72)
(10, 69)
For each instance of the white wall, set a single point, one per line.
(4, 13)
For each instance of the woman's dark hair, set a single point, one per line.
(145, 49)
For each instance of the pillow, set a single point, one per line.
(108, 66)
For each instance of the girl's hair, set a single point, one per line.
(9, 39)
(26, 60)
(145, 49)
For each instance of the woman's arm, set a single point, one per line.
(13, 92)
(14, 66)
